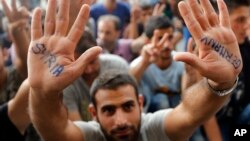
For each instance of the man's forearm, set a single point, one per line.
(212, 130)
(21, 41)
(138, 70)
(132, 29)
(18, 108)
(197, 106)
(51, 115)
(201, 103)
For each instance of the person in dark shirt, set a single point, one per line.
(232, 113)
(14, 116)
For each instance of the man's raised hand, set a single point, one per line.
(51, 62)
(219, 57)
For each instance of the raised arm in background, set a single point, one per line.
(14, 115)
(149, 54)
(3, 71)
(18, 23)
(18, 108)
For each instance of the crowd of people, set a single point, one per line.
(115, 70)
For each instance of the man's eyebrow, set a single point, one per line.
(113, 106)
(128, 102)
(107, 106)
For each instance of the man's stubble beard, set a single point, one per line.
(134, 137)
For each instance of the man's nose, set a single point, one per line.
(103, 36)
(120, 118)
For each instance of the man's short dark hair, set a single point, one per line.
(232, 4)
(86, 41)
(145, 5)
(112, 80)
(156, 22)
(113, 18)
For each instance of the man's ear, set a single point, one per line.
(141, 101)
(92, 111)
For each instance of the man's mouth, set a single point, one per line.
(122, 133)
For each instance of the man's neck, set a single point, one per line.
(112, 47)
(89, 79)
(163, 63)
(110, 6)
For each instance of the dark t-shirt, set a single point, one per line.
(11, 85)
(8, 131)
(241, 95)
(121, 11)
(245, 53)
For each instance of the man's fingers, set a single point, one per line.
(87, 57)
(20, 23)
(190, 45)
(190, 59)
(161, 9)
(210, 12)
(155, 9)
(77, 29)
(62, 19)
(50, 18)
(192, 24)
(163, 40)
(24, 12)
(155, 37)
(36, 24)
(158, 9)
(13, 6)
(198, 14)
(224, 15)
(6, 10)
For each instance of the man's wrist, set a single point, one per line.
(45, 94)
(222, 89)
(145, 60)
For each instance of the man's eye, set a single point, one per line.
(108, 110)
(241, 20)
(128, 107)
(159, 38)
(170, 37)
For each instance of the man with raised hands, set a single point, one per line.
(117, 109)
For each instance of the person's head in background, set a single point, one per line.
(239, 12)
(6, 36)
(248, 28)
(109, 1)
(163, 25)
(108, 32)
(87, 41)
(116, 105)
(146, 11)
(109, 4)
(1, 23)
(3, 56)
